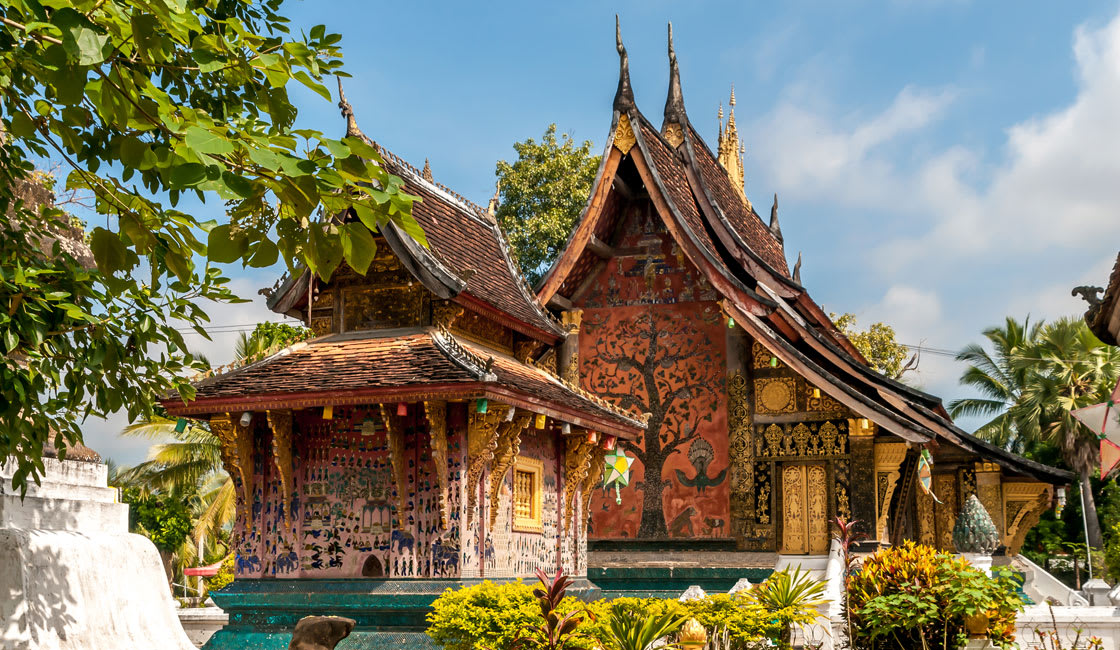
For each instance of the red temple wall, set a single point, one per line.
(653, 340)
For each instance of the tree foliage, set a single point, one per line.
(878, 345)
(163, 517)
(269, 336)
(542, 195)
(148, 102)
(1029, 383)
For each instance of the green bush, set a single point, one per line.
(224, 576)
(914, 596)
(490, 615)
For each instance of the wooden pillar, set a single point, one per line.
(567, 361)
(508, 446)
(237, 453)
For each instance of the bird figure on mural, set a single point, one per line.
(701, 455)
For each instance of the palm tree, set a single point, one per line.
(188, 459)
(1066, 368)
(998, 379)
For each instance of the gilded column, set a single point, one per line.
(281, 424)
(741, 448)
(577, 463)
(989, 493)
(567, 362)
(394, 427)
(436, 412)
(888, 459)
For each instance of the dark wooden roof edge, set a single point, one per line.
(422, 264)
(929, 418)
(854, 366)
(624, 94)
(730, 237)
(1102, 315)
(638, 119)
(882, 415)
(628, 429)
(788, 283)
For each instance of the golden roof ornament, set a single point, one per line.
(427, 172)
(730, 151)
(624, 96)
(347, 112)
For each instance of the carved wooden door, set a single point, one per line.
(804, 510)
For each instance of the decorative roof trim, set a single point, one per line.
(461, 356)
(674, 100)
(624, 95)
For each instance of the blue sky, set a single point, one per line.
(940, 163)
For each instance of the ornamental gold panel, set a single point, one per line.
(482, 442)
(802, 439)
(624, 138)
(762, 358)
(366, 308)
(508, 447)
(741, 451)
(436, 413)
(775, 395)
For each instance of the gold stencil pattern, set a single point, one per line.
(775, 395)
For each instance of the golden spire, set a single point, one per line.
(427, 172)
(731, 150)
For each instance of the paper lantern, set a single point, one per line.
(616, 470)
(402, 409)
(481, 405)
(328, 412)
(181, 425)
(1104, 420)
(773, 362)
(541, 417)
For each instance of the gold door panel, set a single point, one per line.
(804, 510)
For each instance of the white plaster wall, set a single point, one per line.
(1103, 622)
(71, 576)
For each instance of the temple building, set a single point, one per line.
(765, 422)
(421, 440)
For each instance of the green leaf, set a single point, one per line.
(224, 247)
(265, 254)
(205, 141)
(358, 246)
(82, 40)
(188, 174)
(11, 340)
(109, 252)
(238, 184)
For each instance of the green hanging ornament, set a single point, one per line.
(617, 472)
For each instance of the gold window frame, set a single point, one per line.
(532, 523)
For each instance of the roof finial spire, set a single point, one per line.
(347, 112)
(492, 207)
(730, 151)
(797, 269)
(427, 172)
(674, 102)
(774, 227)
(720, 141)
(624, 96)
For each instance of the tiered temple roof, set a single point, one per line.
(468, 263)
(714, 223)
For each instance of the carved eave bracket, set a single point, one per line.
(281, 424)
(394, 428)
(1023, 505)
(592, 480)
(436, 412)
(577, 464)
(508, 446)
(888, 460)
(237, 453)
(482, 442)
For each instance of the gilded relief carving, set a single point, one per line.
(509, 445)
(803, 439)
(436, 412)
(577, 463)
(843, 483)
(281, 424)
(775, 395)
(762, 493)
(322, 325)
(445, 313)
(383, 307)
(793, 510)
(673, 134)
(816, 488)
(593, 479)
(478, 328)
(482, 441)
(945, 513)
(237, 453)
(818, 402)
(742, 453)
(927, 525)
(988, 491)
(624, 138)
(1024, 503)
(762, 357)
